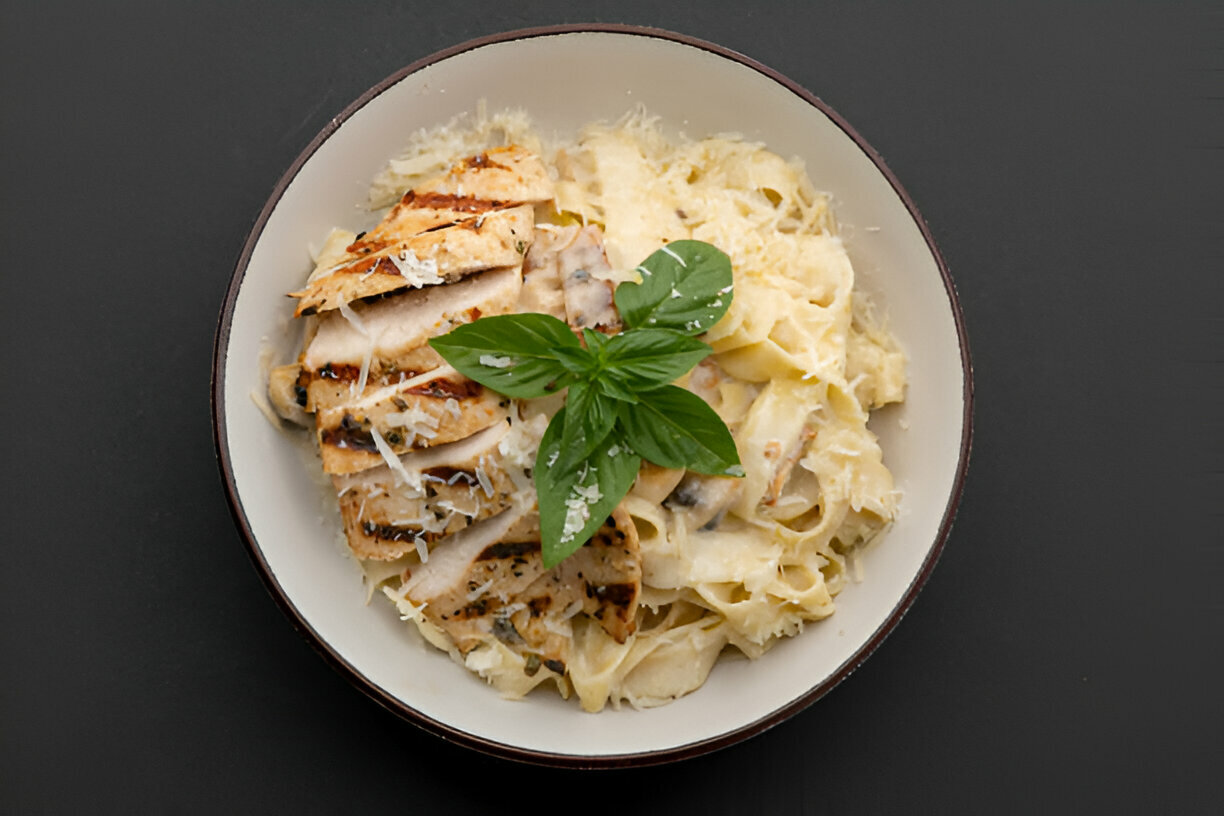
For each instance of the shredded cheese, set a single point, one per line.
(418, 273)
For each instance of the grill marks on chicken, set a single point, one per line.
(438, 255)
(448, 488)
(509, 173)
(390, 335)
(431, 409)
(496, 586)
(415, 449)
(477, 216)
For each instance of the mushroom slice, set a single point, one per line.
(702, 500)
(542, 291)
(588, 296)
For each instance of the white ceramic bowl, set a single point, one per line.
(594, 72)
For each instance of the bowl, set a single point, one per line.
(595, 72)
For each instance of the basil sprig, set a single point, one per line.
(621, 406)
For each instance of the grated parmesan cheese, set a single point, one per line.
(483, 477)
(351, 316)
(402, 476)
(418, 273)
(480, 590)
(494, 361)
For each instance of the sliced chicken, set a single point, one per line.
(605, 575)
(413, 447)
(489, 581)
(335, 385)
(419, 212)
(434, 408)
(471, 576)
(287, 397)
(447, 488)
(441, 254)
(391, 334)
(510, 174)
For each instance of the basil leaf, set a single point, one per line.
(576, 359)
(595, 342)
(675, 428)
(589, 417)
(642, 359)
(522, 355)
(686, 286)
(577, 493)
(613, 388)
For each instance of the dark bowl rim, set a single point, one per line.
(442, 729)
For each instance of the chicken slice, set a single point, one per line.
(419, 212)
(434, 408)
(489, 582)
(471, 575)
(414, 260)
(287, 398)
(447, 488)
(511, 174)
(390, 335)
(335, 385)
(604, 575)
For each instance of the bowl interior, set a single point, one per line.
(591, 75)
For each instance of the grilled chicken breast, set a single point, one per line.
(391, 334)
(478, 215)
(434, 493)
(510, 174)
(489, 581)
(431, 409)
(437, 255)
(414, 448)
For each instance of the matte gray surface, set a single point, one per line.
(1066, 654)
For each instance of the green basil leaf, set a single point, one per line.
(686, 286)
(577, 493)
(589, 417)
(613, 388)
(595, 342)
(643, 359)
(522, 355)
(675, 428)
(576, 360)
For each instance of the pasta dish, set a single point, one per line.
(433, 473)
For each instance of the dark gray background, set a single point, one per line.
(1066, 654)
